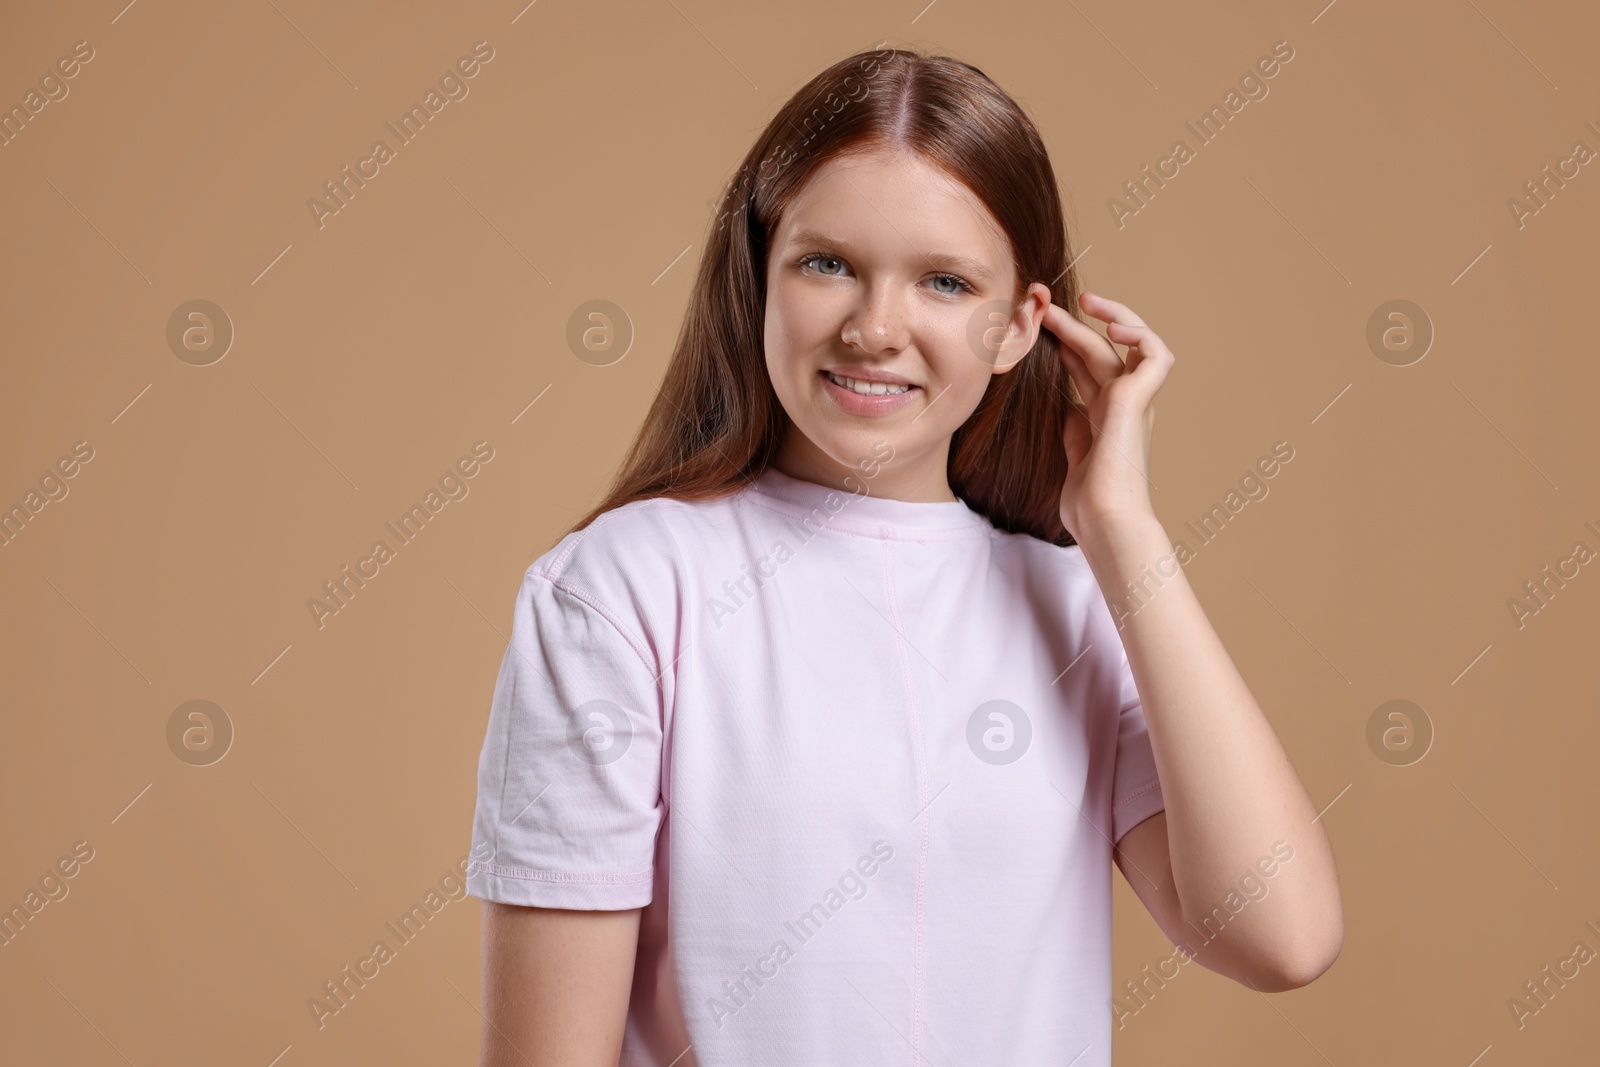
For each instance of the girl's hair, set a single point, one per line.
(716, 423)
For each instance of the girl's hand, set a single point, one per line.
(1107, 436)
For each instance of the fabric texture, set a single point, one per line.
(861, 761)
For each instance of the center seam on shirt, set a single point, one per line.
(919, 762)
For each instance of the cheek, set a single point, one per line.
(776, 345)
(941, 335)
(797, 325)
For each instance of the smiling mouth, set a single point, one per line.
(865, 388)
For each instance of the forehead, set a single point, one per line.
(899, 200)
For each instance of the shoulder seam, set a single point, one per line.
(589, 600)
(558, 563)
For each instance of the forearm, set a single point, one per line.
(1229, 788)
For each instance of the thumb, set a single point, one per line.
(1078, 436)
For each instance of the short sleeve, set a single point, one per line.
(569, 777)
(1135, 789)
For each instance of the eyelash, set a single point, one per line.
(960, 281)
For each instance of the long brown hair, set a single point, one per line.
(716, 423)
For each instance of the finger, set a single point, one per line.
(1108, 310)
(1088, 388)
(1089, 383)
(1149, 362)
(1097, 353)
(1143, 344)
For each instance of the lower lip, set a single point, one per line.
(856, 404)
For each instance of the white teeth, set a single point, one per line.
(866, 388)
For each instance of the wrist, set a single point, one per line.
(1102, 534)
(1131, 557)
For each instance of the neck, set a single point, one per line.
(880, 470)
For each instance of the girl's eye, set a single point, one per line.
(832, 264)
(957, 285)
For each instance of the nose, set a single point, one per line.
(878, 324)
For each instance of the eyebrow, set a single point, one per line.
(939, 260)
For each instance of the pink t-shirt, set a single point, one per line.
(861, 761)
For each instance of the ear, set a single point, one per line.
(1023, 329)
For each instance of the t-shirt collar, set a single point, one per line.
(861, 512)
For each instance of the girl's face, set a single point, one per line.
(886, 269)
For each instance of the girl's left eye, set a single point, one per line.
(960, 283)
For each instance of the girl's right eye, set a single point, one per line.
(831, 265)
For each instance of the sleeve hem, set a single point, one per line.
(556, 889)
(1137, 806)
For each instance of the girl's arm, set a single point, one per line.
(555, 985)
(1231, 793)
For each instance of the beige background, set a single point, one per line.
(371, 353)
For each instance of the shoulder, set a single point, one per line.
(1040, 558)
(631, 563)
(644, 537)
(1054, 581)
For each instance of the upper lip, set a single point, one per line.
(869, 374)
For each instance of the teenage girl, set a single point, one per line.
(815, 741)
